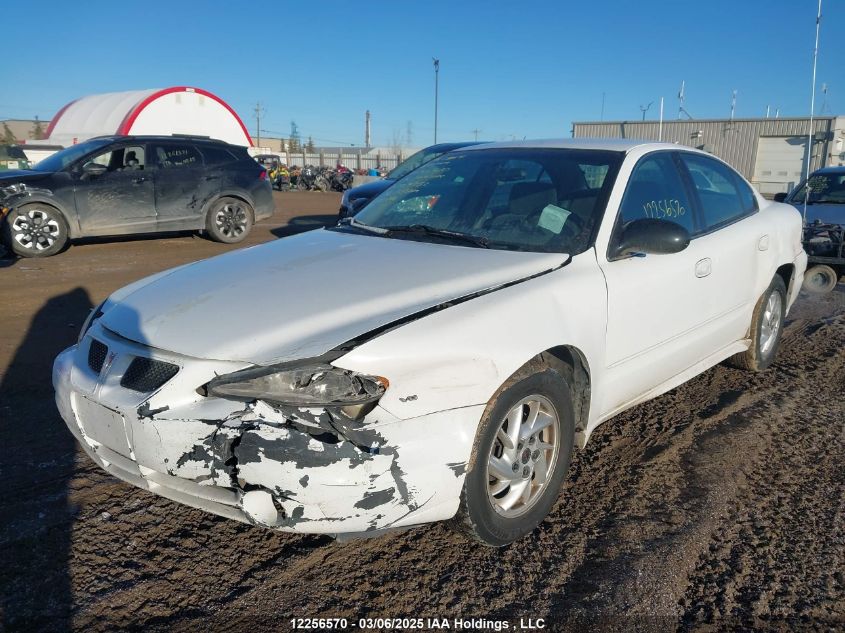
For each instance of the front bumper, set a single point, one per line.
(253, 463)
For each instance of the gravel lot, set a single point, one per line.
(718, 505)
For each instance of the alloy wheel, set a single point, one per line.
(36, 230)
(231, 219)
(771, 321)
(523, 456)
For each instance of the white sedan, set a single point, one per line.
(439, 355)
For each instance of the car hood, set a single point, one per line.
(370, 189)
(10, 176)
(825, 213)
(304, 295)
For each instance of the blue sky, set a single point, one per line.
(526, 68)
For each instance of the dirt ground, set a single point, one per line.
(717, 506)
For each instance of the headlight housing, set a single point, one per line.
(11, 190)
(310, 385)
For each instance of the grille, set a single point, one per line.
(146, 374)
(97, 355)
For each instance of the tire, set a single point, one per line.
(322, 184)
(492, 484)
(229, 221)
(766, 329)
(35, 230)
(820, 279)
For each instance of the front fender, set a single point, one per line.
(460, 356)
(45, 196)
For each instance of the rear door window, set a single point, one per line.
(176, 156)
(724, 196)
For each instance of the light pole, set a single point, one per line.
(436, 81)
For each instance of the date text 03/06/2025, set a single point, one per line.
(425, 624)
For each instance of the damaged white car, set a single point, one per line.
(439, 355)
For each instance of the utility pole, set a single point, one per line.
(436, 88)
(601, 117)
(812, 108)
(367, 130)
(259, 112)
(681, 100)
(646, 109)
(476, 131)
(733, 105)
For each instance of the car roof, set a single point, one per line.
(160, 137)
(607, 144)
(833, 169)
(448, 147)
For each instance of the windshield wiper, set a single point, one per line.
(351, 221)
(425, 229)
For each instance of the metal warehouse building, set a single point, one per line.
(771, 153)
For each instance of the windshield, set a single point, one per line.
(65, 157)
(540, 200)
(824, 189)
(414, 161)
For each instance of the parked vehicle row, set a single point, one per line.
(439, 354)
(355, 199)
(122, 185)
(823, 197)
(308, 178)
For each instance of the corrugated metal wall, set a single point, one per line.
(735, 141)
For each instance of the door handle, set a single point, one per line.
(763, 243)
(703, 267)
(211, 178)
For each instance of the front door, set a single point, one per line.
(659, 306)
(179, 184)
(119, 200)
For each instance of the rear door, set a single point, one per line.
(121, 200)
(180, 174)
(735, 238)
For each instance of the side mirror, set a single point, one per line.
(652, 237)
(358, 204)
(780, 197)
(94, 169)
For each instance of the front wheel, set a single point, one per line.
(766, 329)
(35, 230)
(520, 457)
(229, 221)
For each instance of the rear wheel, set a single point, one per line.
(820, 279)
(229, 221)
(520, 457)
(35, 230)
(766, 329)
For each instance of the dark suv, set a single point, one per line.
(119, 185)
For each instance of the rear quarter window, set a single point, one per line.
(216, 155)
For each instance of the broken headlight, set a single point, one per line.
(317, 385)
(11, 190)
